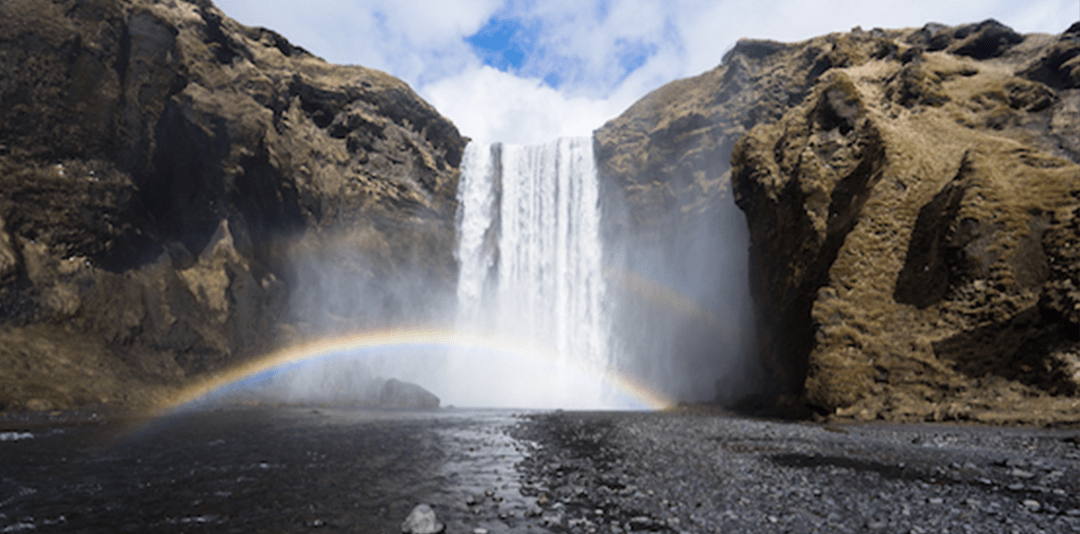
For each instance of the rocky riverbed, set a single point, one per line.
(683, 472)
(276, 469)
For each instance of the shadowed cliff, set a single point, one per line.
(179, 192)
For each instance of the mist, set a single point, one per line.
(681, 302)
(555, 300)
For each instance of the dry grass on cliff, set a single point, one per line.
(912, 193)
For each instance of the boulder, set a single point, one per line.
(397, 394)
(422, 520)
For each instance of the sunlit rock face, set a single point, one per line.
(913, 223)
(179, 192)
(911, 197)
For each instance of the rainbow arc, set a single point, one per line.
(499, 355)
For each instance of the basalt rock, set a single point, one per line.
(912, 199)
(179, 192)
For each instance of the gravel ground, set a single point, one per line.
(683, 472)
(280, 469)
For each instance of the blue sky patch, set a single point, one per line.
(503, 43)
(514, 41)
(633, 54)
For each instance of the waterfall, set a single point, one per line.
(529, 253)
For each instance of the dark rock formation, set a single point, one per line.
(398, 394)
(173, 183)
(912, 199)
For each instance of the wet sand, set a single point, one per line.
(261, 469)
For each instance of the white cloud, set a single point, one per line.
(490, 105)
(586, 43)
(416, 40)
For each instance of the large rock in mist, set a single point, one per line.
(912, 198)
(179, 192)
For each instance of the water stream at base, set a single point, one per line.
(530, 254)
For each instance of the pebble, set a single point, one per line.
(1032, 505)
(552, 518)
(1020, 473)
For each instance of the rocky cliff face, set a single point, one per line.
(179, 192)
(912, 199)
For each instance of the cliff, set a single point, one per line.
(179, 192)
(872, 224)
(912, 198)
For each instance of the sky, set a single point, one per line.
(527, 72)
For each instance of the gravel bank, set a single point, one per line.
(683, 472)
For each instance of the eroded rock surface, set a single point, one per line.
(179, 192)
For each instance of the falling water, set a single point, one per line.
(530, 255)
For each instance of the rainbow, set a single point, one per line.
(511, 349)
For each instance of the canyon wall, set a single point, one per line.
(179, 192)
(912, 200)
(871, 224)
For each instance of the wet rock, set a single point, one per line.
(422, 520)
